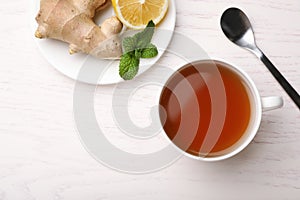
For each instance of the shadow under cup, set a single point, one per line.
(210, 110)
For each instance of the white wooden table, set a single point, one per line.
(41, 156)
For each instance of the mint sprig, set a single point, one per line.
(134, 48)
(149, 52)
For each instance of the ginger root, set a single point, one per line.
(71, 21)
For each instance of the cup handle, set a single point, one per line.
(271, 103)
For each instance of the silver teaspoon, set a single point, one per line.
(236, 26)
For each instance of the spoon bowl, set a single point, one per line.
(235, 27)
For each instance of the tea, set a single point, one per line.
(187, 92)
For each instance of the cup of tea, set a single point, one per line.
(211, 110)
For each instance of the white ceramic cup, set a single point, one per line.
(258, 105)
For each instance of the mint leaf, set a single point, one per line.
(149, 52)
(144, 38)
(129, 66)
(139, 40)
(129, 44)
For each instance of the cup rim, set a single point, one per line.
(257, 102)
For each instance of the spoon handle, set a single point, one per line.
(282, 81)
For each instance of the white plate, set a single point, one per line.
(57, 54)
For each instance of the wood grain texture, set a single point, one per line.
(41, 156)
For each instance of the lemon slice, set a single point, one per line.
(136, 14)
